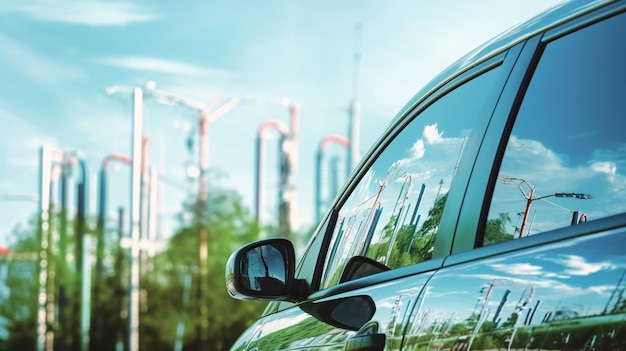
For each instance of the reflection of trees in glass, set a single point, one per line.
(302, 332)
(412, 245)
(495, 230)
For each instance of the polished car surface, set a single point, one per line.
(491, 214)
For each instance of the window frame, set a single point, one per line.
(474, 213)
(443, 244)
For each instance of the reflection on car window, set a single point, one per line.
(564, 161)
(393, 214)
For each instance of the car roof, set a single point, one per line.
(558, 14)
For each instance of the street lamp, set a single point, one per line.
(530, 196)
(208, 113)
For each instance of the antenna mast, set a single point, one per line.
(354, 155)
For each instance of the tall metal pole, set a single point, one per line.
(83, 262)
(284, 134)
(122, 338)
(64, 329)
(319, 165)
(45, 163)
(529, 202)
(354, 124)
(46, 293)
(287, 187)
(97, 322)
(259, 194)
(153, 199)
(135, 215)
(203, 286)
(284, 203)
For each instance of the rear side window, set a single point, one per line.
(392, 216)
(566, 156)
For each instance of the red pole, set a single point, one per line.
(204, 155)
(529, 201)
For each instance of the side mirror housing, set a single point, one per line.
(263, 270)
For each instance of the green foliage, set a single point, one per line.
(228, 225)
(19, 308)
(495, 231)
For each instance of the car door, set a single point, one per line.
(538, 259)
(382, 241)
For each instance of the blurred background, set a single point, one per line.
(142, 142)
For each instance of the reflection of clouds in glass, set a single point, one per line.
(604, 167)
(432, 134)
(531, 160)
(423, 176)
(438, 157)
(605, 290)
(576, 265)
(532, 155)
(418, 149)
(518, 268)
(552, 173)
(365, 182)
(537, 283)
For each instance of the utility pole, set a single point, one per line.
(206, 117)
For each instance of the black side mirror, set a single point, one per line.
(263, 270)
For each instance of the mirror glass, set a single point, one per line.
(263, 269)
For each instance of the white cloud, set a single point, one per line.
(33, 64)
(432, 135)
(89, 13)
(418, 149)
(604, 167)
(519, 269)
(154, 64)
(576, 265)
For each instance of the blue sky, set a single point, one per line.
(57, 58)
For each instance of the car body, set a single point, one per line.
(490, 214)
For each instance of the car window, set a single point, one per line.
(392, 215)
(565, 157)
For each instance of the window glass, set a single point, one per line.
(393, 214)
(564, 161)
(308, 263)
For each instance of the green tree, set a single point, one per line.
(20, 307)
(63, 283)
(495, 230)
(229, 225)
